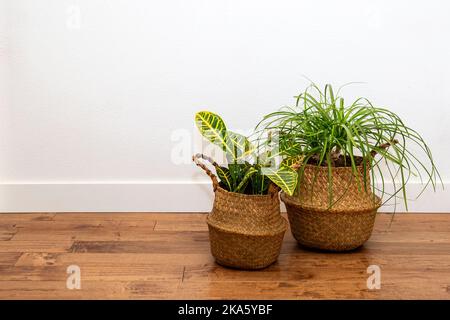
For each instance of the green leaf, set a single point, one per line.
(291, 148)
(240, 145)
(284, 177)
(330, 133)
(243, 184)
(260, 183)
(225, 177)
(237, 172)
(292, 160)
(213, 128)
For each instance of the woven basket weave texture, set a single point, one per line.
(246, 231)
(347, 224)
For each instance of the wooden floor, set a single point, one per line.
(166, 256)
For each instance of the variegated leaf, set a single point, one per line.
(224, 176)
(284, 177)
(213, 128)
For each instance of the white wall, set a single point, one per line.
(92, 91)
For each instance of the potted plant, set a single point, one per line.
(345, 156)
(245, 226)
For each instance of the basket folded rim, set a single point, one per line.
(244, 195)
(339, 168)
(249, 233)
(288, 200)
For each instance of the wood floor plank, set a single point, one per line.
(35, 246)
(167, 256)
(311, 289)
(220, 290)
(9, 258)
(91, 228)
(116, 259)
(85, 233)
(14, 217)
(324, 268)
(89, 289)
(7, 232)
(91, 272)
(129, 216)
(176, 225)
(406, 236)
(416, 222)
(157, 242)
(361, 259)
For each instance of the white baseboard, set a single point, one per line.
(105, 197)
(149, 197)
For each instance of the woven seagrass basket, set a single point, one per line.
(245, 231)
(347, 224)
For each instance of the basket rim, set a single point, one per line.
(253, 234)
(248, 196)
(289, 201)
(347, 168)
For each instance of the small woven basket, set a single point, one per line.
(245, 231)
(347, 224)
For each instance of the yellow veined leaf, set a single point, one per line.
(292, 161)
(213, 128)
(284, 177)
(241, 146)
(224, 176)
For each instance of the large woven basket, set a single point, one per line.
(345, 225)
(245, 231)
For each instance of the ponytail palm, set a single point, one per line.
(326, 131)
